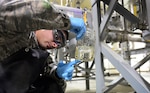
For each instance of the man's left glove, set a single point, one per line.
(65, 70)
(78, 27)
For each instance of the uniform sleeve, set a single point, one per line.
(50, 71)
(31, 15)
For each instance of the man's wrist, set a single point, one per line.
(56, 75)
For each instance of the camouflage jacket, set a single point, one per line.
(19, 17)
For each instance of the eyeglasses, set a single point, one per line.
(59, 38)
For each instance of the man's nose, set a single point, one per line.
(54, 45)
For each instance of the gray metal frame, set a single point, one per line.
(127, 72)
(98, 63)
(148, 12)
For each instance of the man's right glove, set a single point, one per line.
(65, 70)
(78, 27)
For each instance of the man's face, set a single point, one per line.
(48, 39)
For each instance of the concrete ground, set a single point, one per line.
(79, 86)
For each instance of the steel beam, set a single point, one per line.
(139, 51)
(148, 12)
(106, 18)
(98, 58)
(124, 12)
(118, 80)
(130, 75)
(113, 84)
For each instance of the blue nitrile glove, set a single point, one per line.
(78, 26)
(65, 70)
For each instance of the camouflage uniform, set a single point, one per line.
(19, 17)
